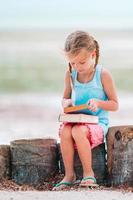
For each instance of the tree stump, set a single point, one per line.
(5, 161)
(120, 155)
(33, 161)
(98, 164)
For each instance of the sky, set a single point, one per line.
(37, 14)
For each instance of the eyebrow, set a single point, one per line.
(80, 61)
(83, 60)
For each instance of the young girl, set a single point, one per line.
(85, 82)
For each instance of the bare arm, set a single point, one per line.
(67, 86)
(66, 100)
(109, 87)
(110, 90)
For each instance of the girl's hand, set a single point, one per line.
(67, 103)
(93, 105)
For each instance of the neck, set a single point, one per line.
(87, 76)
(91, 70)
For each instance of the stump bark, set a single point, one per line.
(120, 155)
(98, 164)
(33, 161)
(5, 161)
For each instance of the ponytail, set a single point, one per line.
(97, 52)
(70, 68)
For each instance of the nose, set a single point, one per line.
(77, 66)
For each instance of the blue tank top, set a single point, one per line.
(82, 92)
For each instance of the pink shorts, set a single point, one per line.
(95, 133)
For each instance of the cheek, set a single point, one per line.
(86, 64)
(91, 61)
(74, 66)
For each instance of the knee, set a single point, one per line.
(65, 133)
(79, 131)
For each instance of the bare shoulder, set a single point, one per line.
(106, 72)
(67, 77)
(106, 75)
(67, 73)
(67, 85)
(108, 84)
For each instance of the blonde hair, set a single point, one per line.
(79, 40)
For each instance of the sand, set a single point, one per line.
(78, 195)
(35, 116)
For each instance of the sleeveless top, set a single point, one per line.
(82, 92)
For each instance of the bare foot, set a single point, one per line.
(89, 181)
(66, 182)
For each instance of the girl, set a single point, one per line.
(85, 82)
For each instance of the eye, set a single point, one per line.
(82, 63)
(72, 63)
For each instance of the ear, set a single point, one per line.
(94, 54)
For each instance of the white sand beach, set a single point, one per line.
(89, 194)
(32, 66)
(35, 115)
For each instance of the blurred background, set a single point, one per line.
(32, 63)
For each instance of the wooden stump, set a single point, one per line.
(98, 164)
(33, 161)
(5, 161)
(120, 155)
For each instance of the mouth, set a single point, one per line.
(81, 71)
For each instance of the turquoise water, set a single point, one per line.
(25, 14)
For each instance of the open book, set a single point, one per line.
(83, 118)
(76, 109)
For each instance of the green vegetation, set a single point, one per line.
(35, 78)
(49, 77)
(123, 78)
(33, 61)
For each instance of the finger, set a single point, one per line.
(88, 102)
(93, 108)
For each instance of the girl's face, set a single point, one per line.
(83, 62)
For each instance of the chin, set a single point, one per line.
(81, 72)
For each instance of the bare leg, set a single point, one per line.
(79, 134)
(67, 150)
